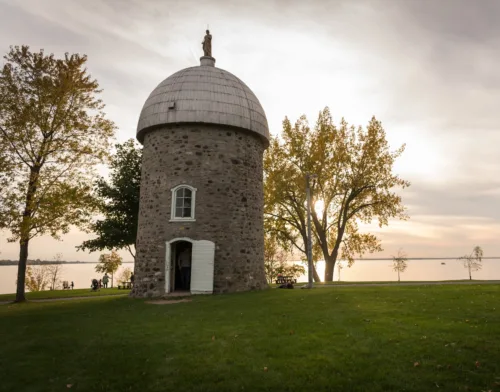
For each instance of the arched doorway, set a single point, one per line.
(181, 265)
(199, 254)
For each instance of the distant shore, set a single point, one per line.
(47, 262)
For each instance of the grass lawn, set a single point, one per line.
(414, 338)
(65, 294)
(343, 283)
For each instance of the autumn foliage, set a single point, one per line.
(355, 182)
(53, 134)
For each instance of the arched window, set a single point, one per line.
(183, 203)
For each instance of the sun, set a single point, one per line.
(319, 206)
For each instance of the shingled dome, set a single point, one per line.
(203, 94)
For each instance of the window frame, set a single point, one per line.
(174, 190)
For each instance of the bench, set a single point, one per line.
(285, 279)
(125, 285)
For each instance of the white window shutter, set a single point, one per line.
(202, 267)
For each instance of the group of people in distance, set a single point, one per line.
(67, 286)
(99, 284)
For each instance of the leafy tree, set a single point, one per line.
(294, 270)
(274, 258)
(124, 275)
(354, 182)
(275, 261)
(473, 262)
(109, 263)
(6, 176)
(118, 201)
(53, 134)
(400, 263)
(37, 278)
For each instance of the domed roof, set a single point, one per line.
(203, 94)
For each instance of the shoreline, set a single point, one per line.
(62, 263)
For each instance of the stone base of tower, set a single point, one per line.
(225, 166)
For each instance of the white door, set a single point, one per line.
(168, 269)
(202, 267)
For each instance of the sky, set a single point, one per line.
(427, 69)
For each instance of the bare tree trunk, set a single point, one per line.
(329, 267)
(399, 280)
(331, 259)
(24, 240)
(21, 271)
(315, 274)
(470, 273)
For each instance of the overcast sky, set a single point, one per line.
(429, 70)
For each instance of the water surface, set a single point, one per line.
(362, 270)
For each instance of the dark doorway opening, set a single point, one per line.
(182, 263)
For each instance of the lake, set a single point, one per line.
(363, 270)
(81, 274)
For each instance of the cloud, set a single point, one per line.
(465, 200)
(426, 69)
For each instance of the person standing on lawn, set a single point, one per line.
(105, 280)
(72, 285)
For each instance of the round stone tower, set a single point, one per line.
(201, 205)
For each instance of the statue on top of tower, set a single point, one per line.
(207, 45)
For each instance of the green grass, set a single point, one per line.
(329, 339)
(65, 294)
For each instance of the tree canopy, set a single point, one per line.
(275, 261)
(109, 264)
(53, 134)
(354, 183)
(118, 201)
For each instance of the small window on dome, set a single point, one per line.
(183, 202)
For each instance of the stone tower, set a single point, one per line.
(201, 205)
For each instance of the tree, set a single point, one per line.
(274, 257)
(293, 270)
(473, 261)
(124, 275)
(118, 201)
(109, 263)
(54, 133)
(37, 278)
(275, 261)
(6, 176)
(400, 263)
(354, 182)
(54, 272)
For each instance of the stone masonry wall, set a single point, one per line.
(225, 165)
